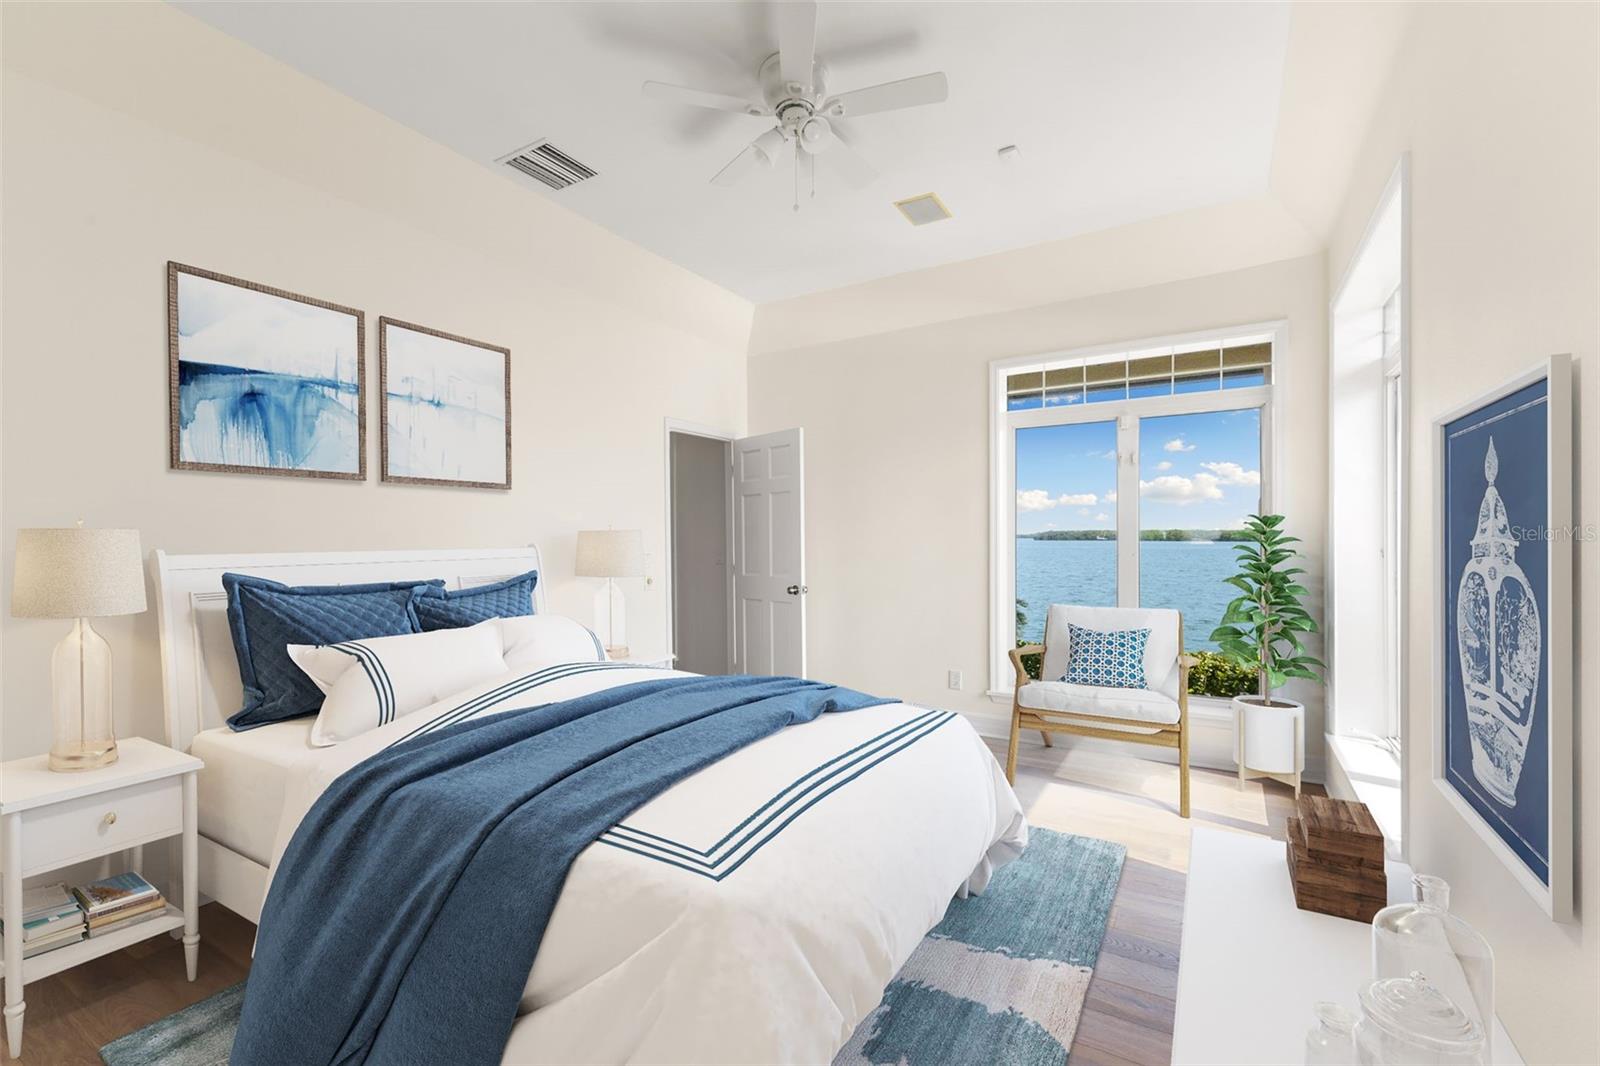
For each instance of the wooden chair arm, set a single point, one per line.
(1188, 661)
(1016, 655)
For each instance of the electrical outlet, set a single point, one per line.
(954, 679)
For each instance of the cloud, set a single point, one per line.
(1110, 497)
(1175, 489)
(1112, 454)
(1040, 500)
(1233, 474)
(1177, 444)
(1164, 465)
(1102, 517)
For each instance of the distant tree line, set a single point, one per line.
(1144, 534)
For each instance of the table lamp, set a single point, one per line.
(79, 574)
(611, 553)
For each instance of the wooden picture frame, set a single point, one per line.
(214, 398)
(475, 415)
(1491, 753)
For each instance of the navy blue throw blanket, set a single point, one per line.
(407, 911)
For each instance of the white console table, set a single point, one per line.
(1252, 963)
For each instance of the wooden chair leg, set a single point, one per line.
(1183, 771)
(1044, 735)
(1011, 752)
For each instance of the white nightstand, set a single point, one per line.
(52, 820)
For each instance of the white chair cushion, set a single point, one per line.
(1160, 650)
(1140, 704)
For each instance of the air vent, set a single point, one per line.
(548, 165)
(921, 210)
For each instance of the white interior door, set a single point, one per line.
(769, 573)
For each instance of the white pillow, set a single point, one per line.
(370, 683)
(535, 641)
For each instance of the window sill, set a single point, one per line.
(1368, 771)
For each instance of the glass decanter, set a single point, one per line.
(1424, 937)
(1406, 1021)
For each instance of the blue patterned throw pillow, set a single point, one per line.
(439, 608)
(266, 617)
(1104, 659)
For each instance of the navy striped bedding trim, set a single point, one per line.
(515, 687)
(375, 673)
(888, 736)
(834, 776)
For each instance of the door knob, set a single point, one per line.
(795, 590)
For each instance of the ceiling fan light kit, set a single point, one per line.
(794, 94)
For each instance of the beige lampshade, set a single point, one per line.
(610, 553)
(77, 573)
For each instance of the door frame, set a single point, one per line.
(669, 571)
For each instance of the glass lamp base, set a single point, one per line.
(80, 683)
(84, 758)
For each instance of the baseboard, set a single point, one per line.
(1211, 741)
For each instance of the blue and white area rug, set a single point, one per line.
(1002, 979)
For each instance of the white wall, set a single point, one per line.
(134, 135)
(897, 454)
(1499, 106)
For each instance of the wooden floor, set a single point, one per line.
(1127, 1019)
(1128, 1015)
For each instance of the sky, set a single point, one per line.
(1196, 471)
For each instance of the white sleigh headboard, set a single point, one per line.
(199, 671)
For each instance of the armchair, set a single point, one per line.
(1156, 715)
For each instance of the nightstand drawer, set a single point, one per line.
(83, 828)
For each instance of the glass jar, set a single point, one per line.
(1331, 1042)
(1406, 1021)
(1424, 937)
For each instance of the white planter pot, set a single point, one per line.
(1271, 739)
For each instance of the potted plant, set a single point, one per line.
(1262, 629)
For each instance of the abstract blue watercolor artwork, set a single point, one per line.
(446, 408)
(263, 381)
(1496, 614)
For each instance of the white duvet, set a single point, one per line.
(853, 834)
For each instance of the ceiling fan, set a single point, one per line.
(794, 93)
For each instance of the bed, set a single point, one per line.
(661, 947)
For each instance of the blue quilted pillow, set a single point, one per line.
(440, 608)
(1113, 659)
(268, 616)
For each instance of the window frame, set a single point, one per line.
(1126, 413)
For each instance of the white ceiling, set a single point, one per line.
(1122, 111)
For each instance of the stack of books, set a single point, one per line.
(51, 919)
(118, 902)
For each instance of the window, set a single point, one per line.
(1121, 478)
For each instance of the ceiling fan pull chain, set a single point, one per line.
(797, 174)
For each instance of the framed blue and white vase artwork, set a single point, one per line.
(1503, 625)
(446, 408)
(263, 381)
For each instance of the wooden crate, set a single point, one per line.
(1335, 853)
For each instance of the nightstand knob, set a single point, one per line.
(110, 818)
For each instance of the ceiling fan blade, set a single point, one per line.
(759, 152)
(891, 96)
(679, 94)
(851, 164)
(797, 40)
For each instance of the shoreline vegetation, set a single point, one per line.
(1180, 535)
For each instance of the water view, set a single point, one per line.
(1185, 575)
